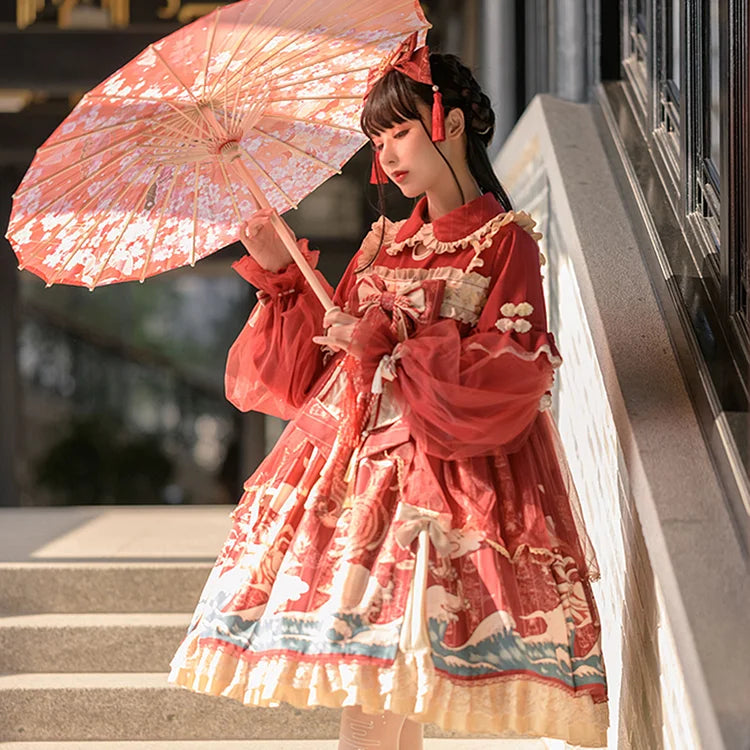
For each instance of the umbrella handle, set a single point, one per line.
(300, 260)
(280, 227)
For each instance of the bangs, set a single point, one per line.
(391, 102)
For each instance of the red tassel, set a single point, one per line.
(438, 116)
(377, 176)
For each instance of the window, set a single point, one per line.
(708, 149)
(635, 47)
(668, 103)
(681, 110)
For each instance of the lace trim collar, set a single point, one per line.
(425, 236)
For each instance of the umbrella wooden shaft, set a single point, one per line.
(244, 173)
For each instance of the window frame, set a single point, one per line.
(735, 217)
(700, 252)
(692, 184)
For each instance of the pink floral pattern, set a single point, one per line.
(144, 175)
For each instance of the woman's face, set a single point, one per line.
(409, 157)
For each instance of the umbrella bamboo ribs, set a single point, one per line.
(250, 107)
(245, 175)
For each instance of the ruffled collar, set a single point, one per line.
(473, 225)
(456, 224)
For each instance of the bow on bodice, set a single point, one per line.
(411, 303)
(408, 303)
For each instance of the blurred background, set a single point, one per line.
(622, 127)
(117, 396)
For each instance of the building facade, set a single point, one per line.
(630, 153)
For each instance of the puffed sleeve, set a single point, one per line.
(470, 395)
(273, 363)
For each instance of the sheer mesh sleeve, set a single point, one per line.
(273, 364)
(471, 395)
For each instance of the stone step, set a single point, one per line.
(90, 642)
(141, 706)
(45, 587)
(429, 744)
(111, 707)
(89, 533)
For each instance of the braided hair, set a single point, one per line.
(394, 99)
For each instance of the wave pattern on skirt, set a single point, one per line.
(378, 599)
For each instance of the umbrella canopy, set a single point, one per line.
(254, 104)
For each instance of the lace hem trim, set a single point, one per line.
(506, 706)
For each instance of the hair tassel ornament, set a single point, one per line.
(438, 116)
(414, 62)
(377, 175)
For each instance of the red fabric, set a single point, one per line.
(273, 362)
(452, 226)
(475, 394)
(408, 59)
(472, 443)
(415, 63)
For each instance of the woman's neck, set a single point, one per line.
(447, 197)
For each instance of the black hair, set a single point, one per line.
(394, 99)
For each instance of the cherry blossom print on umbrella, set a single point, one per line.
(253, 105)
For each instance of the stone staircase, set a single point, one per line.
(85, 646)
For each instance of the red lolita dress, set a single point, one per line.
(413, 541)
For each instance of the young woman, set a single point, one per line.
(412, 549)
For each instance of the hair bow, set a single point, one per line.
(413, 62)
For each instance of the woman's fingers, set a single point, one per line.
(330, 315)
(336, 316)
(253, 226)
(337, 336)
(326, 341)
(261, 222)
(245, 237)
(248, 231)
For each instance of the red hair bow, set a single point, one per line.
(415, 63)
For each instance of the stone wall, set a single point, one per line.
(649, 704)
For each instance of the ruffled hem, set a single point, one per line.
(543, 343)
(512, 706)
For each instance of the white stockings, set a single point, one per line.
(386, 731)
(411, 736)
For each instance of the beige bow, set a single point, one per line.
(386, 369)
(410, 301)
(413, 521)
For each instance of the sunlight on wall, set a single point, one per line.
(644, 676)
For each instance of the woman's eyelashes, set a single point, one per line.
(398, 134)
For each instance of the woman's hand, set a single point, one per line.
(262, 241)
(339, 330)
